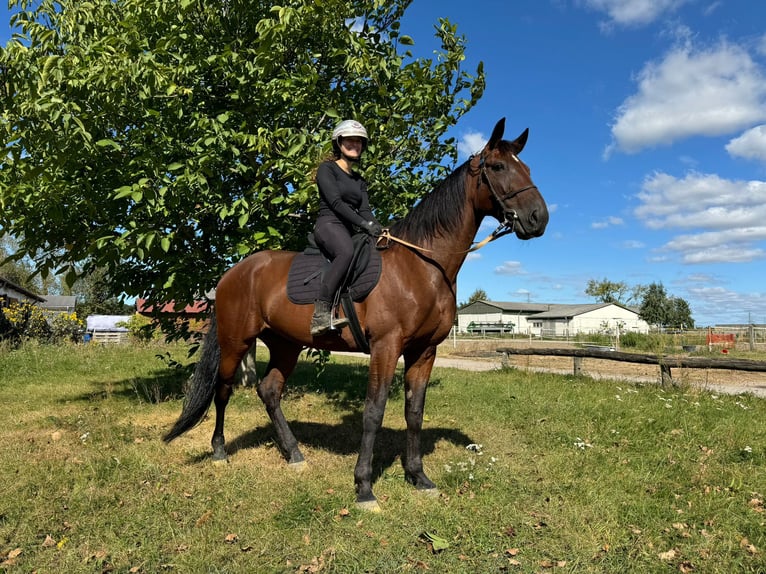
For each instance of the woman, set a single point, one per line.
(343, 205)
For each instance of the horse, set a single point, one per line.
(408, 313)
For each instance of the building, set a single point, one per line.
(11, 293)
(59, 303)
(548, 320)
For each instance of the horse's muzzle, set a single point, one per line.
(532, 223)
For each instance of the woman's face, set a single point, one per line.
(352, 146)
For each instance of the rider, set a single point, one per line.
(343, 205)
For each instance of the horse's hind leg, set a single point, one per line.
(231, 357)
(283, 357)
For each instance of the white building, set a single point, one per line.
(549, 320)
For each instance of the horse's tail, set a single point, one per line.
(201, 388)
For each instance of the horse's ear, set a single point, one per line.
(521, 141)
(497, 134)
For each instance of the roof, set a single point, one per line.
(54, 302)
(508, 306)
(19, 289)
(144, 306)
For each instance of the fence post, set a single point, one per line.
(577, 366)
(665, 375)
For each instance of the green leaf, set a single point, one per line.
(437, 542)
(108, 143)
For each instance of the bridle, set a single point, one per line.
(510, 217)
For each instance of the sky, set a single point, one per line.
(647, 124)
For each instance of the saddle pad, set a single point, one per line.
(303, 279)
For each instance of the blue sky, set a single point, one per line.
(647, 139)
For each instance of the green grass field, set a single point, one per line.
(572, 475)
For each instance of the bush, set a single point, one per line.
(22, 321)
(142, 329)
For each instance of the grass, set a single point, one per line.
(572, 475)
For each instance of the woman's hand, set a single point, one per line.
(372, 227)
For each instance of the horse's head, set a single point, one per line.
(511, 196)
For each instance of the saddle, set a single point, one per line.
(305, 277)
(307, 268)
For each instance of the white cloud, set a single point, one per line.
(609, 221)
(692, 92)
(701, 200)
(510, 268)
(750, 145)
(471, 143)
(722, 304)
(473, 256)
(634, 12)
(727, 218)
(633, 244)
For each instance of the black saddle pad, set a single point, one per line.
(304, 277)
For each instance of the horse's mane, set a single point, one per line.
(437, 213)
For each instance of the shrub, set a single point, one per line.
(22, 321)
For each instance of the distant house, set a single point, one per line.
(59, 303)
(550, 320)
(11, 293)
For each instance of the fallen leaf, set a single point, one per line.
(344, 512)
(231, 538)
(514, 562)
(512, 551)
(49, 541)
(437, 542)
(667, 556)
(204, 518)
(685, 567)
(56, 436)
(14, 553)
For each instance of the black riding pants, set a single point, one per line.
(334, 239)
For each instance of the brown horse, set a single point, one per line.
(408, 313)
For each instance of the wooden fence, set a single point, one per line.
(665, 362)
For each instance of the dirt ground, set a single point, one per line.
(485, 351)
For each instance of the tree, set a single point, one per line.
(680, 314)
(478, 295)
(658, 308)
(654, 308)
(163, 141)
(606, 291)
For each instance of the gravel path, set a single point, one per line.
(713, 380)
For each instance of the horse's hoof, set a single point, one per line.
(299, 466)
(429, 492)
(220, 461)
(369, 506)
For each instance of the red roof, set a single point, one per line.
(143, 306)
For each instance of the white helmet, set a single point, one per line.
(349, 128)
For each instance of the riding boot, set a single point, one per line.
(321, 321)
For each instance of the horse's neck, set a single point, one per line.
(449, 251)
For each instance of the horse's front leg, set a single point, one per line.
(382, 369)
(417, 371)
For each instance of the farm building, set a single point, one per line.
(12, 293)
(549, 320)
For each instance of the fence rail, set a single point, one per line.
(665, 362)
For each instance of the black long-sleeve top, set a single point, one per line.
(343, 196)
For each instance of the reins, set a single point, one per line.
(506, 227)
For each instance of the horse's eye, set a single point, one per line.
(497, 167)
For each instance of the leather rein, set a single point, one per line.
(510, 217)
